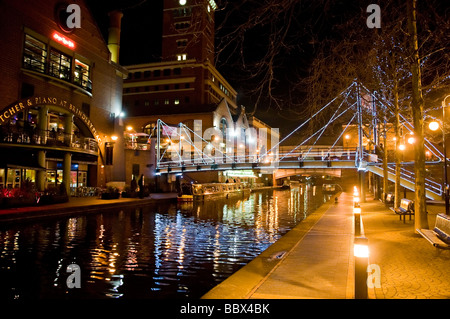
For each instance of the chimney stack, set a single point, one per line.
(115, 18)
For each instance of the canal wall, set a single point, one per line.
(78, 205)
(246, 280)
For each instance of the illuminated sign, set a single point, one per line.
(240, 173)
(63, 40)
(10, 111)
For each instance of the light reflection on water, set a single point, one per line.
(167, 250)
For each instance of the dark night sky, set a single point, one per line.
(312, 22)
(141, 42)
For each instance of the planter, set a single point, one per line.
(110, 195)
(53, 199)
(9, 202)
(129, 194)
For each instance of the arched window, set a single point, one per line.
(223, 127)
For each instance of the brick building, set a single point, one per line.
(60, 97)
(183, 87)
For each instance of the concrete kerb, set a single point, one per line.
(243, 283)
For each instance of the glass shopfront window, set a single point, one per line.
(40, 57)
(60, 65)
(35, 54)
(54, 177)
(2, 178)
(15, 177)
(81, 75)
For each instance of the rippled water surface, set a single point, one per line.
(166, 250)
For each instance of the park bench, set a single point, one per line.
(390, 198)
(406, 208)
(439, 237)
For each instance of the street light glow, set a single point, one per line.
(402, 147)
(434, 126)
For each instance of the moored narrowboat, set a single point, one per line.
(213, 190)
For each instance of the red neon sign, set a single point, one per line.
(64, 41)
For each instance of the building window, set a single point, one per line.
(182, 12)
(150, 129)
(223, 127)
(166, 101)
(39, 57)
(147, 74)
(182, 25)
(181, 43)
(166, 72)
(182, 57)
(86, 108)
(176, 101)
(35, 54)
(177, 71)
(157, 73)
(109, 153)
(60, 65)
(81, 75)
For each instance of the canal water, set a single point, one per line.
(165, 250)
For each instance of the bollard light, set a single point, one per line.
(361, 255)
(361, 250)
(357, 219)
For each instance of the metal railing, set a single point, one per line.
(21, 135)
(190, 159)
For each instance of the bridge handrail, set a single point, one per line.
(410, 176)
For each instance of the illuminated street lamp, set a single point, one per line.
(434, 126)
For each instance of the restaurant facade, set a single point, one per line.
(60, 98)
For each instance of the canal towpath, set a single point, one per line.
(315, 259)
(77, 205)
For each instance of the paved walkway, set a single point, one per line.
(315, 259)
(410, 266)
(318, 266)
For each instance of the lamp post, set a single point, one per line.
(446, 197)
(434, 126)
